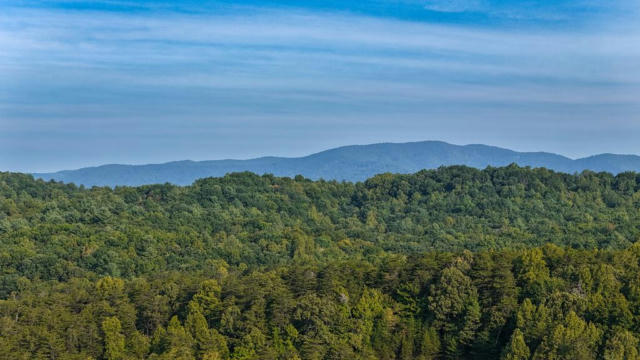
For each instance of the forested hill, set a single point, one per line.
(352, 163)
(453, 263)
(251, 219)
(244, 218)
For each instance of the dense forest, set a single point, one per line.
(511, 263)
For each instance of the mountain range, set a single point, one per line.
(350, 163)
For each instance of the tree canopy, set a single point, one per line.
(511, 263)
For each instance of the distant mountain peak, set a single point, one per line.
(351, 163)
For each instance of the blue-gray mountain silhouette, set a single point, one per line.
(351, 163)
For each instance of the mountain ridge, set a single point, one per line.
(350, 163)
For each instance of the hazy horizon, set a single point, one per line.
(322, 150)
(297, 154)
(88, 83)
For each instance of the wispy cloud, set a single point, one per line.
(456, 5)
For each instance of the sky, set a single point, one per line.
(89, 83)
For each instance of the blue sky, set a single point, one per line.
(87, 83)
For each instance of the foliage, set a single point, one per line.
(453, 263)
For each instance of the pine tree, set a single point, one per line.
(454, 303)
(574, 338)
(516, 349)
(430, 344)
(207, 341)
(622, 346)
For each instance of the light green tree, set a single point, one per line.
(113, 339)
(622, 346)
(516, 349)
(574, 338)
